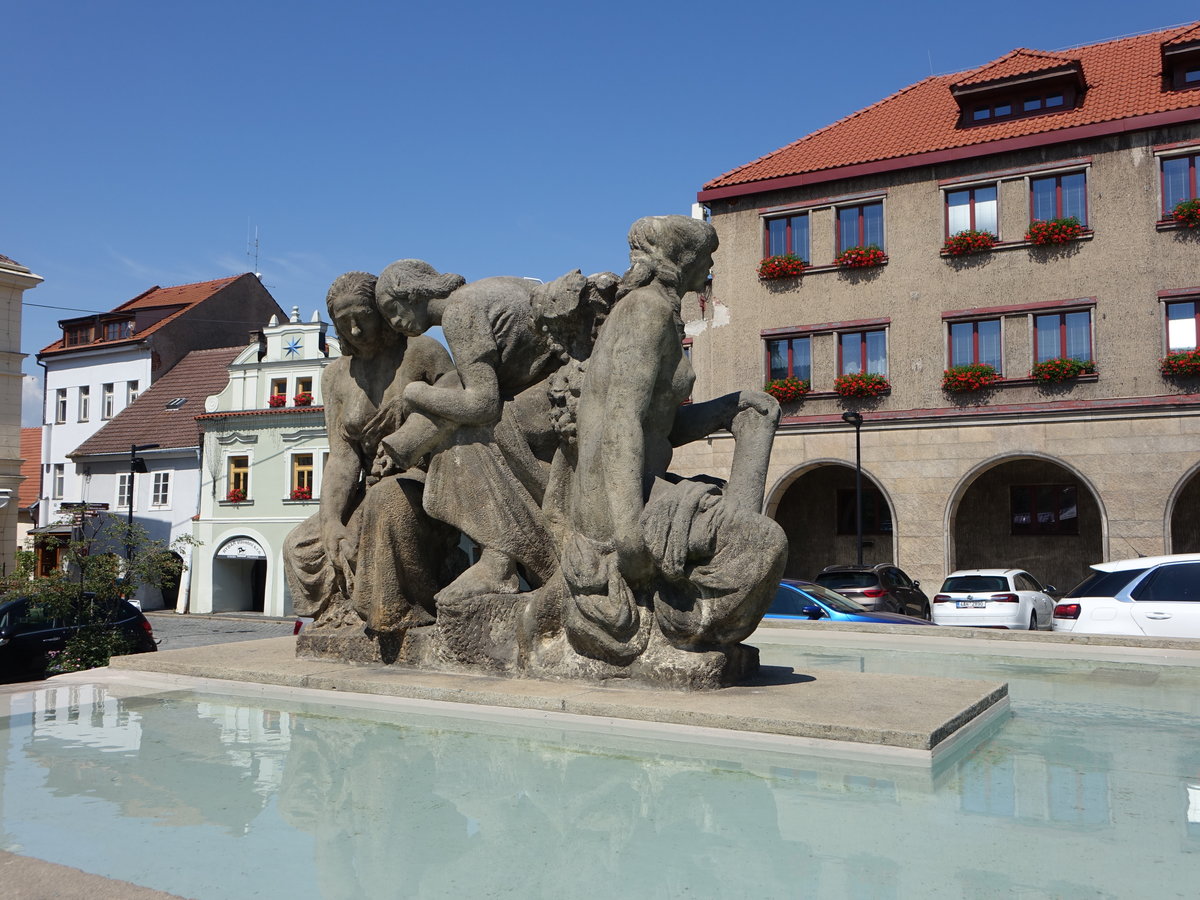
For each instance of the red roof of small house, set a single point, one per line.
(173, 300)
(920, 124)
(31, 467)
(156, 416)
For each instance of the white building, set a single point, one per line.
(261, 467)
(15, 279)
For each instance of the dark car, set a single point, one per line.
(29, 631)
(805, 600)
(883, 588)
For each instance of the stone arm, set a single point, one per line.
(475, 351)
(752, 417)
(340, 477)
(419, 434)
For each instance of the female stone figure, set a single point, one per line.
(646, 546)
(370, 553)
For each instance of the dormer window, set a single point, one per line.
(1024, 83)
(1181, 66)
(75, 335)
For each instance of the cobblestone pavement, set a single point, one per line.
(174, 631)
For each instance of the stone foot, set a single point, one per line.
(495, 573)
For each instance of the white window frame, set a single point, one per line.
(124, 485)
(132, 390)
(60, 406)
(107, 401)
(163, 480)
(85, 403)
(58, 478)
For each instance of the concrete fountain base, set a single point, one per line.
(905, 718)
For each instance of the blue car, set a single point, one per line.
(805, 600)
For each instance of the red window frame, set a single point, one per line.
(1195, 301)
(862, 349)
(946, 192)
(975, 323)
(1058, 194)
(791, 362)
(1016, 105)
(858, 209)
(1062, 332)
(1193, 180)
(787, 238)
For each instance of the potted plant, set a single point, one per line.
(1187, 213)
(1043, 233)
(301, 493)
(787, 265)
(860, 257)
(968, 378)
(276, 400)
(970, 241)
(1184, 364)
(861, 384)
(235, 495)
(304, 398)
(787, 390)
(1063, 368)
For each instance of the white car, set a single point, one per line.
(994, 598)
(1158, 596)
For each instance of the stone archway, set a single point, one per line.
(1185, 515)
(816, 510)
(239, 576)
(1032, 513)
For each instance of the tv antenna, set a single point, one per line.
(252, 249)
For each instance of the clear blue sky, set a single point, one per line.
(143, 139)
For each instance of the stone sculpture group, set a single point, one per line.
(546, 442)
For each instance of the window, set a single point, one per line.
(1177, 583)
(85, 394)
(161, 492)
(1066, 335)
(106, 401)
(304, 385)
(239, 474)
(60, 406)
(115, 331)
(1183, 324)
(57, 481)
(1044, 509)
(788, 235)
(278, 386)
(1026, 582)
(859, 226)
(1012, 105)
(1178, 181)
(877, 517)
(976, 343)
(789, 356)
(124, 483)
(302, 472)
(1058, 196)
(971, 209)
(77, 334)
(131, 392)
(862, 351)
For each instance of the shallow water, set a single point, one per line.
(1090, 789)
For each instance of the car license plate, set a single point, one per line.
(970, 604)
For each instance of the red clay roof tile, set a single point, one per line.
(1124, 79)
(31, 467)
(1016, 62)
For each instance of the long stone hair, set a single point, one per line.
(355, 284)
(660, 247)
(418, 279)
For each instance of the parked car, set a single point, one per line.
(1157, 596)
(994, 598)
(29, 631)
(882, 588)
(812, 602)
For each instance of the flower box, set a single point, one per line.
(1054, 231)
(1053, 371)
(788, 265)
(970, 241)
(788, 390)
(304, 398)
(861, 384)
(1185, 364)
(1187, 213)
(301, 493)
(235, 495)
(860, 257)
(968, 378)
(276, 400)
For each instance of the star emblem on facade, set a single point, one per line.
(293, 347)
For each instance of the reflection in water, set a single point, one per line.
(280, 799)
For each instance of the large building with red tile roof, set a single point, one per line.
(1003, 339)
(104, 361)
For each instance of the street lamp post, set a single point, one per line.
(136, 464)
(856, 419)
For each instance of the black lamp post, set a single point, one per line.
(136, 464)
(856, 419)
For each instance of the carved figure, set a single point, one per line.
(370, 554)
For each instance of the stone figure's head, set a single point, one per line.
(405, 289)
(674, 250)
(351, 304)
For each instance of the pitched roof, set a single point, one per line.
(149, 420)
(1124, 79)
(183, 296)
(31, 467)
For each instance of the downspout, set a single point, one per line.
(184, 601)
